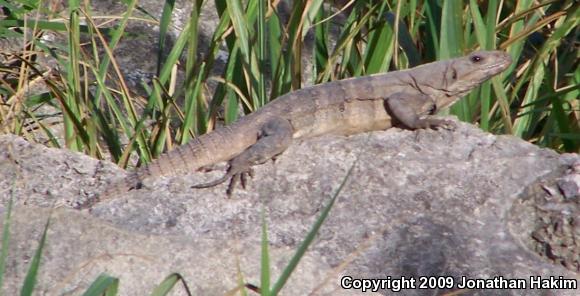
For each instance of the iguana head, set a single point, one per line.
(468, 72)
(450, 80)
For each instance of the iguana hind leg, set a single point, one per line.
(274, 137)
(414, 111)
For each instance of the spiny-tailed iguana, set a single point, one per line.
(404, 98)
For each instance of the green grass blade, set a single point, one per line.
(243, 32)
(139, 137)
(491, 26)
(452, 45)
(379, 50)
(503, 102)
(413, 13)
(103, 285)
(433, 21)
(73, 79)
(478, 24)
(320, 44)
(44, 25)
(168, 283)
(275, 39)
(353, 27)
(485, 91)
(288, 75)
(523, 124)
(515, 48)
(31, 275)
(5, 240)
(261, 53)
(235, 87)
(560, 115)
(175, 53)
(191, 56)
(403, 36)
(310, 236)
(189, 126)
(485, 37)
(451, 30)
(110, 135)
(265, 258)
(164, 24)
(115, 37)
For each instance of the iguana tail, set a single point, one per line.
(130, 182)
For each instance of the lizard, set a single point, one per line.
(406, 98)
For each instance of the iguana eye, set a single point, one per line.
(476, 58)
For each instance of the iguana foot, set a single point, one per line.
(236, 174)
(242, 178)
(274, 137)
(414, 111)
(435, 123)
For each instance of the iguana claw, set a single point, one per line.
(235, 174)
(241, 177)
(435, 123)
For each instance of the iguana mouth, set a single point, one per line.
(500, 65)
(495, 68)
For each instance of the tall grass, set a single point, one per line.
(536, 99)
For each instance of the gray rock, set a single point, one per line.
(425, 203)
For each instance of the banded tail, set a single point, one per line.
(208, 149)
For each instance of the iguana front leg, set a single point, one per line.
(273, 138)
(414, 110)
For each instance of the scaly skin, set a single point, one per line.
(404, 98)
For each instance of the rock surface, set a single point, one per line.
(425, 203)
